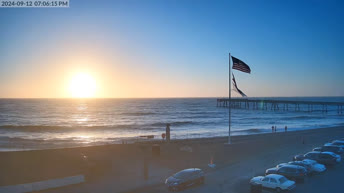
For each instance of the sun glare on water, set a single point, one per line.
(83, 85)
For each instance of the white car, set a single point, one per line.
(315, 166)
(274, 181)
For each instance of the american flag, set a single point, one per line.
(240, 65)
(236, 89)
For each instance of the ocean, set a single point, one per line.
(27, 124)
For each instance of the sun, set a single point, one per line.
(82, 85)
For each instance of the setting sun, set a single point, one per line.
(82, 85)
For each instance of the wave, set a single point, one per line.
(250, 131)
(304, 117)
(176, 123)
(51, 128)
(139, 113)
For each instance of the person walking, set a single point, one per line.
(285, 128)
(272, 129)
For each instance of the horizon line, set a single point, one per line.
(159, 97)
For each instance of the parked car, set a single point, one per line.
(330, 148)
(307, 167)
(292, 172)
(184, 179)
(339, 143)
(311, 165)
(274, 181)
(326, 158)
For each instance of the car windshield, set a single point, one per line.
(283, 179)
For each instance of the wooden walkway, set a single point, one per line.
(279, 105)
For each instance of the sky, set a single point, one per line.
(173, 48)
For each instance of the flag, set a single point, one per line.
(240, 65)
(236, 87)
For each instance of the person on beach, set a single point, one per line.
(285, 128)
(272, 129)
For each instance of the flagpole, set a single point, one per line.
(229, 101)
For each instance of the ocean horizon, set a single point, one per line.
(27, 124)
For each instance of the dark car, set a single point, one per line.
(306, 165)
(292, 172)
(326, 158)
(330, 148)
(184, 179)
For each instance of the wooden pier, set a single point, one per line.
(280, 105)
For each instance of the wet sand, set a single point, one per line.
(120, 168)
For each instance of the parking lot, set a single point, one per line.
(235, 179)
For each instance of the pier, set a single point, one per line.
(281, 105)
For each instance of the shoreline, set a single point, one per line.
(138, 140)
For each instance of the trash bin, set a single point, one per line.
(156, 150)
(256, 188)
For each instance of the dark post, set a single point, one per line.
(168, 135)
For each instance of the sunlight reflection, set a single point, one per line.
(82, 120)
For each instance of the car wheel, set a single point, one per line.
(278, 189)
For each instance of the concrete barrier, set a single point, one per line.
(43, 185)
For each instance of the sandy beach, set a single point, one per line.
(120, 168)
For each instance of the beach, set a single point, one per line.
(120, 168)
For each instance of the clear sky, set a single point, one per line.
(173, 48)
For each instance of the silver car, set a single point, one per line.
(184, 179)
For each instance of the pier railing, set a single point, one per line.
(280, 105)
